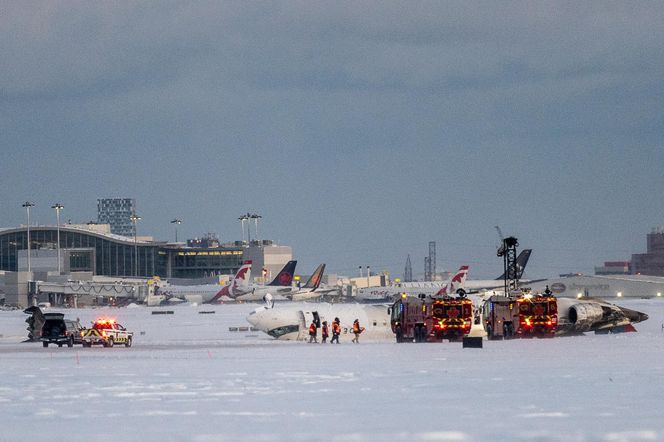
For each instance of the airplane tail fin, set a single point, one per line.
(457, 282)
(285, 276)
(232, 289)
(521, 262)
(241, 279)
(315, 279)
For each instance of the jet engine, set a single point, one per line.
(583, 315)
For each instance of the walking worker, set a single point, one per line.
(336, 331)
(313, 331)
(356, 331)
(324, 333)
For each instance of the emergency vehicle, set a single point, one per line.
(538, 315)
(431, 319)
(106, 332)
(525, 315)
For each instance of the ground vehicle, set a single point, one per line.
(506, 317)
(58, 330)
(431, 319)
(538, 315)
(107, 332)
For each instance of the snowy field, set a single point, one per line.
(188, 377)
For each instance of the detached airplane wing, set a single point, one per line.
(586, 314)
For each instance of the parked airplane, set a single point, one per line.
(387, 293)
(290, 322)
(521, 262)
(280, 287)
(474, 285)
(308, 290)
(392, 292)
(209, 293)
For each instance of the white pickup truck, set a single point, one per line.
(106, 332)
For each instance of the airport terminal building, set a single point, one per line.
(91, 250)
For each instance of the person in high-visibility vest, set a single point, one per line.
(324, 332)
(356, 331)
(313, 331)
(336, 331)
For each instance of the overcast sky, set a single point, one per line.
(358, 130)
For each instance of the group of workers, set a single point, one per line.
(336, 331)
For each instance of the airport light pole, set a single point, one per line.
(177, 222)
(255, 217)
(243, 219)
(134, 219)
(27, 206)
(58, 207)
(368, 274)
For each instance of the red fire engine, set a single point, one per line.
(506, 317)
(427, 319)
(538, 315)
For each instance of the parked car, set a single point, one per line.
(58, 330)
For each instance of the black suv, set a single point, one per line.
(58, 330)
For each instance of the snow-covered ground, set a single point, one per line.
(188, 377)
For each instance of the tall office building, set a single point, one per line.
(652, 262)
(117, 212)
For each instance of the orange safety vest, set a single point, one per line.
(356, 327)
(312, 329)
(335, 328)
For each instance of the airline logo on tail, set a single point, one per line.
(521, 262)
(314, 280)
(457, 282)
(241, 278)
(231, 290)
(285, 276)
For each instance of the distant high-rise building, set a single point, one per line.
(652, 262)
(408, 271)
(117, 212)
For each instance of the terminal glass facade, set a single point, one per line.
(115, 257)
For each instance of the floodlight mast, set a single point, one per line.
(58, 207)
(508, 251)
(27, 206)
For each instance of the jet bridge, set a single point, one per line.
(93, 293)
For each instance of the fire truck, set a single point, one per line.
(431, 319)
(524, 315)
